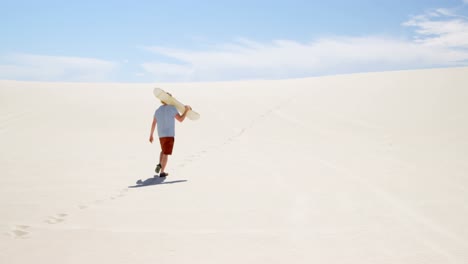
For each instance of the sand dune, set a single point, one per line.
(362, 168)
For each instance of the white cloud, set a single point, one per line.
(169, 71)
(441, 39)
(441, 28)
(54, 68)
(289, 59)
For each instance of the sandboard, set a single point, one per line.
(170, 100)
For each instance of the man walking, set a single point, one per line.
(164, 118)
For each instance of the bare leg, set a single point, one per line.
(163, 161)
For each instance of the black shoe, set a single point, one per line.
(163, 174)
(158, 168)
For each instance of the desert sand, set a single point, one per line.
(362, 168)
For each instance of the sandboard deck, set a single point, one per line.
(170, 100)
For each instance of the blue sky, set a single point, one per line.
(179, 41)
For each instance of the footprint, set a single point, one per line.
(20, 231)
(123, 192)
(82, 207)
(59, 218)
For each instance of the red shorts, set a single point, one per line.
(167, 144)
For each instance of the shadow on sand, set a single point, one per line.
(156, 180)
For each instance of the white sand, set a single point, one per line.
(364, 168)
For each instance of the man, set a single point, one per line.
(165, 117)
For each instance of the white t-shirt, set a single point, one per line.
(165, 118)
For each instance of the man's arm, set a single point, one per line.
(181, 118)
(153, 126)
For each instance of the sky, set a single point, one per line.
(192, 41)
